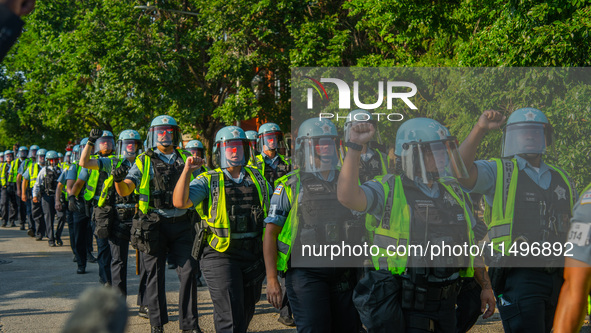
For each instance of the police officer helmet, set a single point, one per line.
(105, 144)
(163, 131)
(196, 148)
(83, 143)
(33, 151)
(61, 156)
(41, 156)
(128, 145)
(528, 131)
(427, 151)
(231, 147)
(52, 158)
(8, 155)
(75, 153)
(317, 146)
(68, 157)
(270, 137)
(251, 136)
(23, 152)
(1, 156)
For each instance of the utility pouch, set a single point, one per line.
(145, 234)
(103, 217)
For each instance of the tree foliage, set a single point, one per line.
(117, 64)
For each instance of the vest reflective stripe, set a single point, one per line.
(13, 171)
(394, 231)
(3, 171)
(144, 190)
(500, 230)
(370, 221)
(291, 185)
(33, 173)
(92, 182)
(217, 219)
(200, 208)
(107, 185)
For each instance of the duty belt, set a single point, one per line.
(244, 235)
(439, 293)
(176, 219)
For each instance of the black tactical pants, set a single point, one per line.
(39, 219)
(49, 214)
(468, 305)
(318, 304)
(9, 206)
(529, 300)
(178, 238)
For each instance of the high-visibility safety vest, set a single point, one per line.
(217, 219)
(3, 176)
(92, 182)
(14, 165)
(201, 208)
(33, 173)
(394, 229)
(144, 167)
(261, 165)
(108, 184)
(500, 229)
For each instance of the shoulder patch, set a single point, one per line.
(586, 198)
(278, 190)
(579, 233)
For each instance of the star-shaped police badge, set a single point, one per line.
(164, 120)
(530, 116)
(235, 133)
(325, 129)
(560, 192)
(131, 135)
(442, 133)
(374, 164)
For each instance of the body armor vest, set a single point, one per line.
(271, 175)
(242, 203)
(371, 168)
(50, 181)
(322, 218)
(164, 180)
(435, 221)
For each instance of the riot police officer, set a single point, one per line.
(113, 213)
(237, 202)
(80, 213)
(8, 196)
(531, 202)
(195, 147)
(160, 226)
(29, 179)
(305, 211)
(421, 205)
(572, 302)
(44, 191)
(15, 179)
(101, 144)
(272, 164)
(251, 136)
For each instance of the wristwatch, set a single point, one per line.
(354, 146)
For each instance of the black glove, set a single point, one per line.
(94, 135)
(120, 173)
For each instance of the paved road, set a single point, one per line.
(39, 288)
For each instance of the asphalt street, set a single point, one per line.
(39, 288)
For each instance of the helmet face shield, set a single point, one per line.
(233, 153)
(271, 141)
(431, 161)
(52, 161)
(41, 159)
(164, 135)
(318, 154)
(128, 148)
(104, 145)
(23, 153)
(196, 152)
(526, 138)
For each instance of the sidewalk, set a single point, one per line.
(39, 288)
